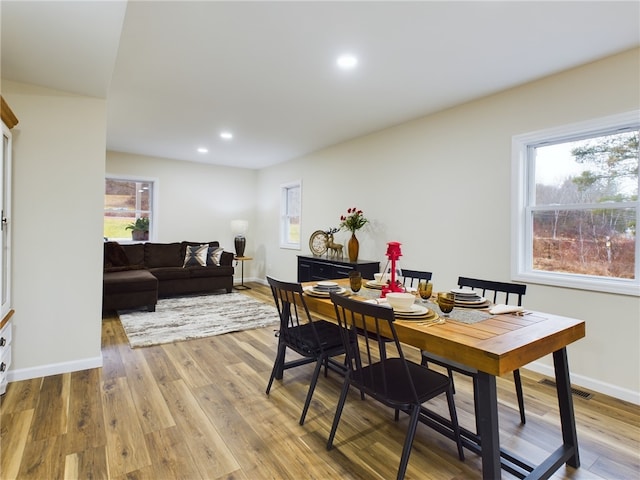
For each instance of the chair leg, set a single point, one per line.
(277, 365)
(518, 383)
(408, 441)
(336, 418)
(454, 423)
(312, 387)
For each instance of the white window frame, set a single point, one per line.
(153, 223)
(522, 199)
(284, 219)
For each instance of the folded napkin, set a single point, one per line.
(378, 301)
(502, 308)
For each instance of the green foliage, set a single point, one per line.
(140, 225)
(612, 159)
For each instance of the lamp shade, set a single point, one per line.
(239, 227)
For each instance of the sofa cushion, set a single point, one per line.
(123, 268)
(135, 253)
(114, 255)
(129, 281)
(209, 271)
(163, 255)
(171, 273)
(196, 255)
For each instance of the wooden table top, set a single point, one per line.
(496, 346)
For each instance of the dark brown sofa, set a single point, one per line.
(136, 275)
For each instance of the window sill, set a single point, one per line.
(591, 283)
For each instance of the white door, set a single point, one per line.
(5, 219)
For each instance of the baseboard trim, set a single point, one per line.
(53, 369)
(590, 383)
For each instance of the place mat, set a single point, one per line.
(463, 315)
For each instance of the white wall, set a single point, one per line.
(58, 187)
(197, 202)
(440, 185)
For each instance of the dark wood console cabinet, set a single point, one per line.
(322, 268)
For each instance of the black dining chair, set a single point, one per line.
(379, 369)
(496, 292)
(314, 340)
(411, 278)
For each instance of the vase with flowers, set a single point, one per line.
(354, 220)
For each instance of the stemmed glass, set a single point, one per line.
(425, 289)
(355, 281)
(446, 302)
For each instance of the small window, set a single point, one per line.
(290, 206)
(128, 209)
(576, 208)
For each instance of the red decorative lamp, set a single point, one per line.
(393, 253)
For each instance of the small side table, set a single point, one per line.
(242, 286)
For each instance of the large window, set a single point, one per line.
(129, 209)
(575, 208)
(290, 208)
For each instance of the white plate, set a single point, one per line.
(374, 284)
(309, 290)
(464, 292)
(475, 301)
(326, 284)
(415, 310)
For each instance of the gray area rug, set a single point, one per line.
(185, 318)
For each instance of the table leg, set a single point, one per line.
(242, 286)
(565, 404)
(487, 414)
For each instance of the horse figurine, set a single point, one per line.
(333, 249)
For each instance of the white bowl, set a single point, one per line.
(381, 277)
(400, 300)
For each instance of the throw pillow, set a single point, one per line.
(196, 255)
(114, 255)
(213, 257)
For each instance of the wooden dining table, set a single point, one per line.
(495, 346)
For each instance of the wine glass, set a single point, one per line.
(425, 289)
(355, 281)
(446, 302)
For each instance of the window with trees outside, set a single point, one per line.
(290, 207)
(575, 206)
(128, 209)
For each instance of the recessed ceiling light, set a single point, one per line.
(347, 61)
(203, 150)
(226, 135)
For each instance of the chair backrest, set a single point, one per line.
(375, 361)
(495, 291)
(293, 312)
(414, 277)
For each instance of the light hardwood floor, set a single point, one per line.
(198, 410)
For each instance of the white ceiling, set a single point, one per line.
(176, 73)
